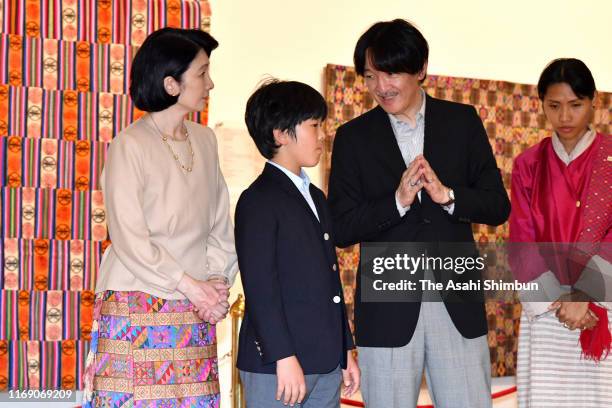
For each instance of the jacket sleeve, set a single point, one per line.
(356, 218)
(484, 200)
(256, 235)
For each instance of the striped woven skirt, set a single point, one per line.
(150, 352)
(551, 372)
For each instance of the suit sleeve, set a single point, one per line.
(356, 218)
(256, 235)
(485, 200)
(348, 336)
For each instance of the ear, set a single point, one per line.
(280, 137)
(171, 85)
(423, 72)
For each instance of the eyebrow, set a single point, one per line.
(570, 101)
(204, 66)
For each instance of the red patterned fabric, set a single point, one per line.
(597, 215)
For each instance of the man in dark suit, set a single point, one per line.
(294, 340)
(414, 169)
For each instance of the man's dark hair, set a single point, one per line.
(392, 46)
(570, 71)
(280, 105)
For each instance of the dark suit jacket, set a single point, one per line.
(290, 276)
(366, 169)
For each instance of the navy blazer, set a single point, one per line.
(366, 169)
(290, 276)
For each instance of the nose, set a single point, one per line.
(381, 84)
(565, 114)
(210, 84)
(321, 135)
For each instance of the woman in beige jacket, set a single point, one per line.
(164, 281)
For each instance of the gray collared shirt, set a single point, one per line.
(410, 139)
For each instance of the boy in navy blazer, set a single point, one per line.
(295, 341)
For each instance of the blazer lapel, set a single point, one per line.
(290, 188)
(431, 127)
(323, 221)
(385, 144)
(432, 150)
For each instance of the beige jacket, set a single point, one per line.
(162, 221)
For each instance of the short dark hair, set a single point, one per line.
(569, 71)
(392, 46)
(165, 52)
(280, 105)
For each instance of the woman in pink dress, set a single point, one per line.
(561, 195)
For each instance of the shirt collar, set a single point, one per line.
(302, 182)
(580, 147)
(419, 116)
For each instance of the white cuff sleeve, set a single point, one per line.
(536, 302)
(402, 210)
(596, 280)
(449, 208)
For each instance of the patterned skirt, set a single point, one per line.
(150, 352)
(551, 371)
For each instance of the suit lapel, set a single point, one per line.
(432, 130)
(431, 127)
(290, 188)
(384, 143)
(316, 198)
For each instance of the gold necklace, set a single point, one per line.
(164, 138)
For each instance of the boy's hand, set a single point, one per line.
(291, 384)
(351, 377)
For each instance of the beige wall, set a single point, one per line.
(290, 39)
(507, 40)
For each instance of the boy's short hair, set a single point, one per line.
(280, 105)
(570, 71)
(392, 46)
(165, 52)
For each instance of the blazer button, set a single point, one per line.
(334, 267)
(426, 221)
(326, 236)
(337, 299)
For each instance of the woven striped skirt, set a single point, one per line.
(551, 371)
(150, 352)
